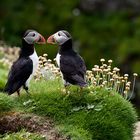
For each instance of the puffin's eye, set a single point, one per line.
(33, 34)
(59, 34)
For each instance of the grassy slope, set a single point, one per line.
(81, 116)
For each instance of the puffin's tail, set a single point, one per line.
(79, 80)
(8, 89)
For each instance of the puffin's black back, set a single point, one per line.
(72, 65)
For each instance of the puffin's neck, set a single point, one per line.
(27, 49)
(67, 46)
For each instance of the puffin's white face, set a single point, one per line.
(34, 37)
(59, 38)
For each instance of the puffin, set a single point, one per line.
(24, 67)
(71, 64)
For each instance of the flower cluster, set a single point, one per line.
(110, 78)
(46, 69)
(8, 55)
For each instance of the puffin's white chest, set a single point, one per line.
(35, 60)
(58, 59)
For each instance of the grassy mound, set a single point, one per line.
(97, 115)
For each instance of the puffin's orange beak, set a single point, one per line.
(51, 40)
(41, 40)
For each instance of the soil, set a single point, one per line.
(14, 122)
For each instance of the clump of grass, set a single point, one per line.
(22, 135)
(6, 103)
(74, 132)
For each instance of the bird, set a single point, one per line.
(24, 67)
(71, 64)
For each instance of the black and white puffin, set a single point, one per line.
(24, 67)
(71, 64)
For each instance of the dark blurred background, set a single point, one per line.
(107, 29)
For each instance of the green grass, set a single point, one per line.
(100, 115)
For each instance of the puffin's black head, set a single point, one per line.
(59, 38)
(32, 36)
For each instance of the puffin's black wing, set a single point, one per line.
(18, 75)
(73, 69)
